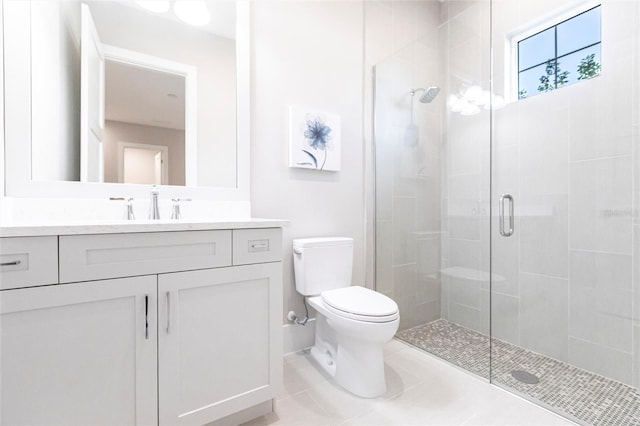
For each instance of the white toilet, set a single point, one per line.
(353, 322)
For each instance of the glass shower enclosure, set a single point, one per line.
(506, 203)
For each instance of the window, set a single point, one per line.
(560, 55)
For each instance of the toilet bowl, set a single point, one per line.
(353, 323)
(349, 345)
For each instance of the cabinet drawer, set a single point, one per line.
(257, 245)
(92, 257)
(28, 261)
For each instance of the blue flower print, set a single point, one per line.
(318, 136)
(317, 133)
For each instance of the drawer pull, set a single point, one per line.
(258, 245)
(12, 263)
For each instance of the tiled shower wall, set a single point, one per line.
(569, 157)
(402, 50)
(464, 48)
(566, 283)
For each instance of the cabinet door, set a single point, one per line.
(220, 341)
(80, 354)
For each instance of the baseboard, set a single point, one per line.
(245, 415)
(298, 337)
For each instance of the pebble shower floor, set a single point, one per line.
(583, 396)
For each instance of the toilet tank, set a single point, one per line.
(322, 264)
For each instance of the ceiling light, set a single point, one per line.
(193, 12)
(157, 6)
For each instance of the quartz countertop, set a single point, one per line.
(124, 226)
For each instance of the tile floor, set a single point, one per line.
(588, 397)
(422, 390)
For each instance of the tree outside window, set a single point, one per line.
(560, 55)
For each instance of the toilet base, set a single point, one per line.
(354, 364)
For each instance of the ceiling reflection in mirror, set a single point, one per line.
(122, 94)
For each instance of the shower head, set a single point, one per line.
(429, 94)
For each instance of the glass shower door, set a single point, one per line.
(565, 234)
(432, 172)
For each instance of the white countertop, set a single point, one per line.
(124, 226)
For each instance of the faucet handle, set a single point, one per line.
(129, 207)
(175, 208)
(130, 215)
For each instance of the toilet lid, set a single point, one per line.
(360, 301)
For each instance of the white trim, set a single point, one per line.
(243, 92)
(190, 74)
(535, 26)
(2, 188)
(91, 127)
(17, 76)
(17, 95)
(162, 148)
(298, 337)
(245, 415)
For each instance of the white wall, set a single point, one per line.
(307, 53)
(215, 60)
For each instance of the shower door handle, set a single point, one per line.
(508, 232)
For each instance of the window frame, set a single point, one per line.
(539, 25)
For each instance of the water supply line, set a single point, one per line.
(291, 316)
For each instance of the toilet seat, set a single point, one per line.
(360, 304)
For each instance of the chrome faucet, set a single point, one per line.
(175, 209)
(154, 212)
(130, 215)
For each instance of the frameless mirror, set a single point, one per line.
(123, 94)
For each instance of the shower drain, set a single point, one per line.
(525, 377)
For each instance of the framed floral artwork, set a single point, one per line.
(314, 139)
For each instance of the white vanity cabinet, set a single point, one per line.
(28, 261)
(215, 353)
(80, 354)
(147, 328)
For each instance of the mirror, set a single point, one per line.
(144, 113)
(122, 94)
